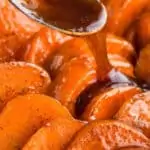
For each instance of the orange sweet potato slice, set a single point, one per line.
(136, 112)
(106, 104)
(119, 46)
(24, 115)
(41, 45)
(55, 135)
(73, 78)
(21, 78)
(75, 48)
(123, 13)
(15, 29)
(121, 64)
(107, 135)
(12, 21)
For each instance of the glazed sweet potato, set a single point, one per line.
(20, 78)
(123, 13)
(24, 115)
(121, 64)
(107, 135)
(75, 48)
(119, 46)
(41, 45)
(135, 112)
(55, 135)
(12, 21)
(15, 29)
(107, 103)
(73, 78)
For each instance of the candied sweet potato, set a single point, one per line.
(24, 115)
(54, 135)
(136, 112)
(21, 78)
(106, 104)
(12, 21)
(75, 48)
(73, 78)
(119, 46)
(42, 44)
(107, 135)
(121, 64)
(15, 29)
(123, 13)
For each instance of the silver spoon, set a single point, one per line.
(73, 17)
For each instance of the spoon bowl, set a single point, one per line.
(76, 17)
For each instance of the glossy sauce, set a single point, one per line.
(73, 15)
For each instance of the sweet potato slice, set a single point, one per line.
(24, 115)
(12, 21)
(107, 135)
(121, 64)
(21, 78)
(136, 112)
(55, 135)
(106, 104)
(15, 29)
(74, 77)
(119, 46)
(123, 13)
(41, 45)
(75, 48)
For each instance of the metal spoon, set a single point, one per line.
(73, 17)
